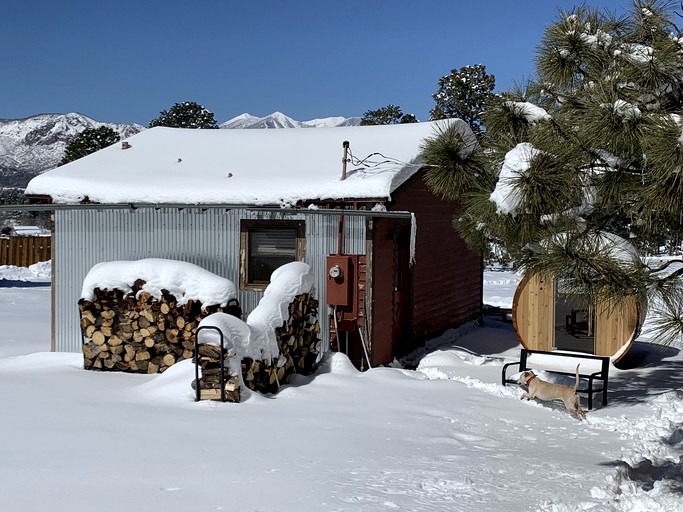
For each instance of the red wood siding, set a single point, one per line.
(383, 349)
(447, 276)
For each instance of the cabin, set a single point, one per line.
(351, 202)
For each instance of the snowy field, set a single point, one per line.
(444, 437)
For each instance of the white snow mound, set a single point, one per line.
(185, 281)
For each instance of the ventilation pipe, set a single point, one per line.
(340, 237)
(345, 158)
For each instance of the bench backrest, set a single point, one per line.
(564, 362)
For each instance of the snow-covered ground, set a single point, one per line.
(444, 437)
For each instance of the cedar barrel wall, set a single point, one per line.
(533, 312)
(446, 276)
(616, 329)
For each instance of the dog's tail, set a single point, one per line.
(576, 386)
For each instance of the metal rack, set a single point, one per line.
(198, 386)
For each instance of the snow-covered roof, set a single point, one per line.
(29, 231)
(255, 167)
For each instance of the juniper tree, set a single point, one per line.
(591, 149)
(187, 114)
(89, 141)
(391, 114)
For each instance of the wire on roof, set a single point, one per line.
(373, 164)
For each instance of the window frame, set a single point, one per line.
(249, 225)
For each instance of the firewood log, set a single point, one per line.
(98, 337)
(137, 332)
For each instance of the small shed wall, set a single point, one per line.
(209, 238)
(391, 300)
(447, 277)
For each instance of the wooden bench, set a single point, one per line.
(594, 368)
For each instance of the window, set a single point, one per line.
(267, 245)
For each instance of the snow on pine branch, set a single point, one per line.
(627, 111)
(532, 113)
(507, 194)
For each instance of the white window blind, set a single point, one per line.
(272, 242)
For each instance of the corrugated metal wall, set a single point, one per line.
(209, 238)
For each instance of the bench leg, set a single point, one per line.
(590, 393)
(505, 367)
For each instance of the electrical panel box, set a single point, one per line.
(339, 280)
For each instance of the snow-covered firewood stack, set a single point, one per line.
(217, 332)
(141, 316)
(298, 344)
(279, 338)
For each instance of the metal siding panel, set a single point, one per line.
(86, 238)
(210, 239)
(321, 240)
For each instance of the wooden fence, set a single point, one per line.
(23, 251)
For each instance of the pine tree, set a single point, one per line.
(89, 141)
(462, 95)
(586, 161)
(187, 114)
(391, 114)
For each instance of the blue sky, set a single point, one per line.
(125, 61)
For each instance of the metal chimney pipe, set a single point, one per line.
(345, 145)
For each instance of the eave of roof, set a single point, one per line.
(350, 211)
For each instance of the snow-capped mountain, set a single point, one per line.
(34, 144)
(330, 122)
(274, 120)
(279, 120)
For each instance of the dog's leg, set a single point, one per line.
(579, 410)
(577, 401)
(573, 406)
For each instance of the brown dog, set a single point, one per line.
(549, 391)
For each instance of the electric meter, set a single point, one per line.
(335, 272)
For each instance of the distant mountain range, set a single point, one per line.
(35, 144)
(279, 120)
(32, 145)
